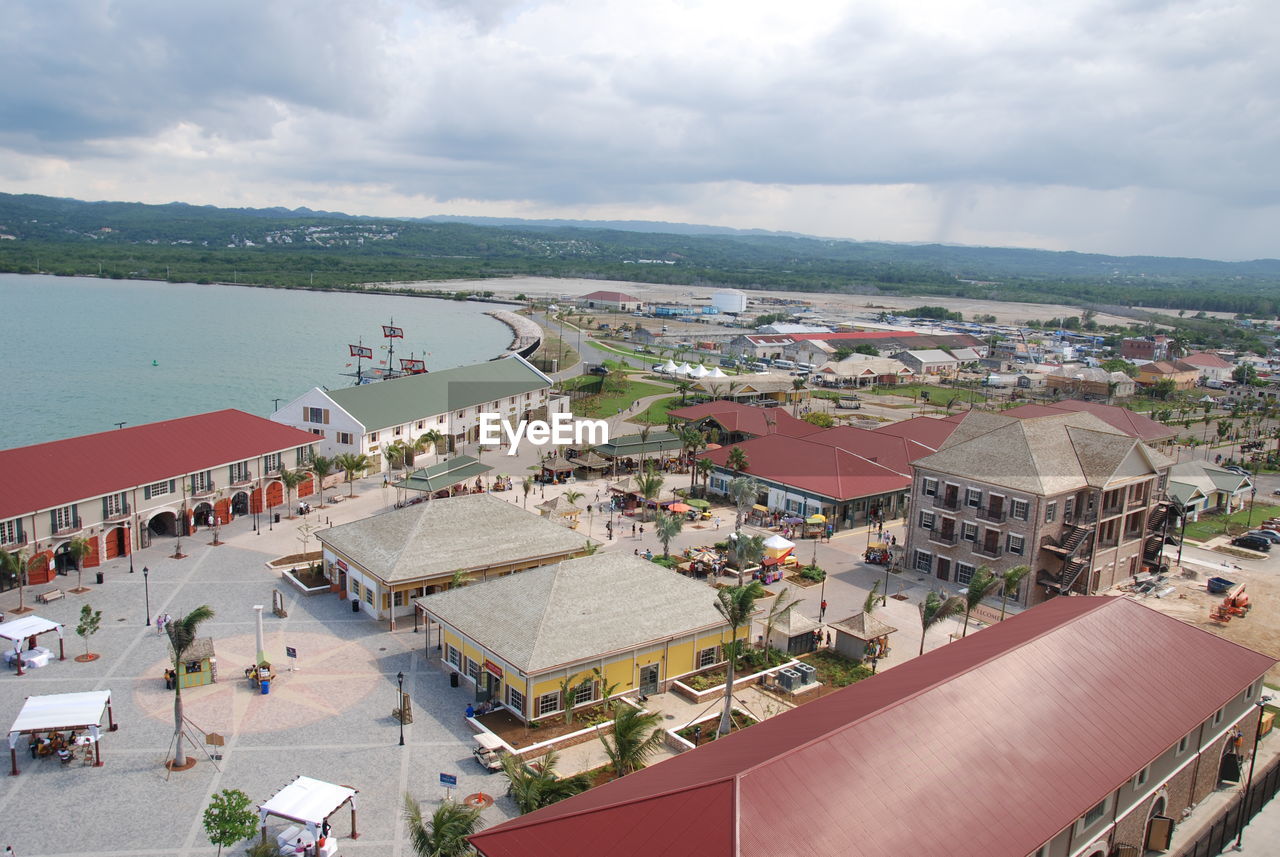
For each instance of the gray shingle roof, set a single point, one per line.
(863, 626)
(433, 539)
(576, 610)
(403, 400)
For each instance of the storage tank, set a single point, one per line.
(729, 301)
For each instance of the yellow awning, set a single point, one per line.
(760, 508)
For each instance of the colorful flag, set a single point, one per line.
(361, 351)
(392, 332)
(413, 365)
(382, 363)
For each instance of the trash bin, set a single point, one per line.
(266, 687)
(277, 517)
(453, 679)
(355, 606)
(101, 577)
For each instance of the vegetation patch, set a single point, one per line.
(1210, 526)
(708, 730)
(834, 669)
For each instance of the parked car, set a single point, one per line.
(598, 370)
(1253, 543)
(1270, 535)
(1237, 469)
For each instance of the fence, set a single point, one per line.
(1224, 829)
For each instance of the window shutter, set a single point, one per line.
(53, 521)
(326, 416)
(146, 492)
(306, 414)
(22, 535)
(173, 485)
(104, 508)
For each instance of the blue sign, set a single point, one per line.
(450, 780)
(290, 652)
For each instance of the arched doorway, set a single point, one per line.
(1159, 830)
(275, 495)
(240, 503)
(115, 543)
(62, 561)
(202, 512)
(163, 524)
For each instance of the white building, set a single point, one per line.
(366, 418)
(731, 301)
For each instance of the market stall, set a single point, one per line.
(63, 712)
(308, 803)
(28, 628)
(814, 525)
(862, 636)
(561, 510)
(556, 471)
(199, 666)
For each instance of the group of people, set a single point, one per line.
(54, 743)
(162, 619)
(304, 848)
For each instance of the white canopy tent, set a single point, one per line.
(309, 802)
(716, 373)
(668, 368)
(700, 371)
(30, 627)
(777, 542)
(684, 369)
(59, 712)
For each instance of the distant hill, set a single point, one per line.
(280, 246)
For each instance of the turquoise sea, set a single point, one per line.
(79, 355)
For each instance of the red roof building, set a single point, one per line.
(1060, 727)
(118, 488)
(737, 421)
(620, 301)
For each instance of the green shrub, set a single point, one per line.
(813, 572)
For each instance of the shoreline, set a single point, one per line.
(527, 334)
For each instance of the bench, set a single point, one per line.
(50, 595)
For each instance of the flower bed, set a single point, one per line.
(686, 690)
(738, 721)
(295, 559)
(306, 583)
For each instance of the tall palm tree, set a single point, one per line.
(982, 584)
(737, 459)
(446, 834)
(1009, 583)
(684, 387)
(691, 442)
(743, 492)
(668, 526)
(79, 548)
(322, 466)
(532, 788)
(645, 431)
(352, 463)
(290, 479)
(14, 567)
(650, 484)
(431, 439)
(797, 385)
(526, 485)
(934, 609)
(873, 599)
(736, 604)
(779, 610)
(182, 634)
(748, 551)
(636, 736)
(703, 468)
(397, 453)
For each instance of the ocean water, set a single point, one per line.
(79, 355)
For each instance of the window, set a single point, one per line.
(585, 693)
(926, 520)
(1218, 715)
(113, 505)
(1095, 815)
(1050, 512)
(64, 518)
(368, 595)
(422, 424)
(1249, 693)
(1018, 509)
(315, 415)
(473, 671)
(1140, 778)
(1068, 507)
(515, 699)
(345, 438)
(202, 481)
(157, 489)
(1182, 744)
(271, 462)
(454, 656)
(305, 455)
(969, 532)
(355, 589)
(373, 437)
(397, 599)
(707, 657)
(924, 561)
(399, 431)
(972, 497)
(240, 471)
(548, 703)
(1015, 544)
(964, 573)
(10, 532)
(1042, 851)
(929, 487)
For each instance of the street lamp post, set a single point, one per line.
(146, 588)
(1248, 783)
(400, 684)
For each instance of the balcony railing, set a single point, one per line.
(946, 537)
(70, 527)
(22, 540)
(996, 516)
(942, 501)
(203, 490)
(242, 481)
(993, 551)
(119, 514)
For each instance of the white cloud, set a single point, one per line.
(1134, 127)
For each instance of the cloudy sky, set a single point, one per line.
(1117, 126)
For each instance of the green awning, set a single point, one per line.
(629, 445)
(698, 504)
(444, 474)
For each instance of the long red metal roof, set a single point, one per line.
(821, 468)
(53, 474)
(749, 419)
(1035, 719)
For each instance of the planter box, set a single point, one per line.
(682, 745)
(718, 691)
(298, 585)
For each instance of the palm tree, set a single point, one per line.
(636, 736)
(737, 459)
(1009, 583)
(684, 387)
(691, 441)
(748, 551)
(572, 497)
(352, 463)
(79, 548)
(781, 607)
(446, 834)
(668, 527)
(430, 439)
(532, 788)
(322, 466)
(982, 584)
(736, 604)
(291, 479)
(703, 468)
(797, 385)
(650, 485)
(397, 453)
(14, 567)
(743, 492)
(182, 634)
(526, 485)
(873, 598)
(644, 441)
(934, 609)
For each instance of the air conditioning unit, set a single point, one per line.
(789, 679)
(807, 673)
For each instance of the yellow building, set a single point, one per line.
(610, 621)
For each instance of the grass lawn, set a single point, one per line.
(608, 403)
(937, 395)
(553, 348)
(1213, 525)
(656, 413)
